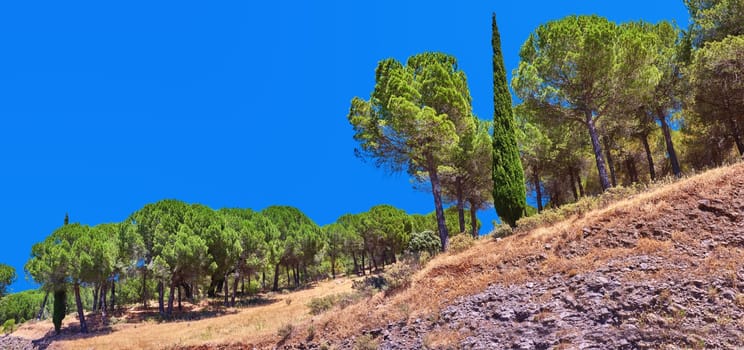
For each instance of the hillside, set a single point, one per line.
(661, 269)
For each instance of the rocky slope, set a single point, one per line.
(664, 270)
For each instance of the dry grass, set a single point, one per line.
(444, 338)
(449, 276)
(252, 325)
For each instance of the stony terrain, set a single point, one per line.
(9, 342)
(663, 272)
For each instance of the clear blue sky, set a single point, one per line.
(106, 106)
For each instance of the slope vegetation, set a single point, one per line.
(662, 269)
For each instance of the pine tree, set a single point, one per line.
(509, 192)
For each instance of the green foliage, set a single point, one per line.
(21, 306)
(567, 66)
(129, 290)
(413, 118)
(9, 326)
(509, 192)
(424, 241)
(60, 309)
(460, 243)
(579, 208)
(335, 235)
(714, 20)
(300, 239)
(320, 305)
(717, 90)
(7, 276)
(396, 277)
(504, 230)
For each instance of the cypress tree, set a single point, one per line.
(60, 309)
(509, 192)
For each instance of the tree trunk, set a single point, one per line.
(79, 304)
(178, 290)
(597, 148)
(297, 275)
(573, 185)
(364, 271)
(538, 190)
(226, 289)
(580, 185)
(436, 189)
(460, 204)
(43, 305)
(96, 290)
(356, 266)
(632, 171)
(276, 277)
(235, 289)
(649, 157)
(373, 261)
(102, 304)
(610, 161)
(289, 278)
(113, 295)
(333, 267)
(474, 219)
(171, 298)
(736, 133)
(144, 287)
(669, 145)
(161, 297)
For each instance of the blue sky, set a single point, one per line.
(106, 106)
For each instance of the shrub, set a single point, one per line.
(396, 276)
(461, 243)
(425, 241)
(578, 208)
(368, 284)
(424, 258)
(365, 342)
(503, 230)
(285, 332)
(322, 304)
(9, 326)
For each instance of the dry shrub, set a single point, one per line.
(460, 243)
(365, 342)
(650, 246)
(285, 331)
(444, 338)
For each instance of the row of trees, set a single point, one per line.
(419, 119)
(621, 96)
(192, 251)
(593, 91)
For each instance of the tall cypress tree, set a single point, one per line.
(509, 192)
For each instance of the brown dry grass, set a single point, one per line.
(250, 325)
(449, 276)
